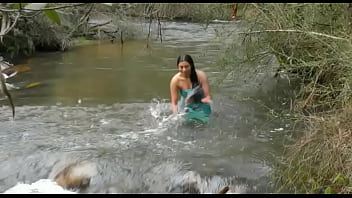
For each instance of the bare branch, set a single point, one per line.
(42, 9)
(10, 28)
(100, 24)
(297, 31)
(86, 15)
(83, 19)
(31, 16)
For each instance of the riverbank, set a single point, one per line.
(56, 30)
(312, 43)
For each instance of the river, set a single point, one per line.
(109, 105)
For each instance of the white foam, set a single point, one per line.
(45, 186)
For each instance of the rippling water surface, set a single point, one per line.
(109, 105)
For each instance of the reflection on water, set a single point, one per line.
(110, 105)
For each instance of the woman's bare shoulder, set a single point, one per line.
(200, 71)
(201, 74)
(175, 78)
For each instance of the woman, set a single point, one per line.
(192, 87)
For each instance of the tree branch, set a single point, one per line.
(10, 28)
(82, 20)
(42, 9)
(297, 31)
(100, 24)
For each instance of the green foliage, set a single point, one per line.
(340, 179)
(52, 14)
(328, 190)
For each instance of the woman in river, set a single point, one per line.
(189, 90)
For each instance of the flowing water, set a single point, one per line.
(109, 105)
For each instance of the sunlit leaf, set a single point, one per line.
(35, 6)
(52, 14)
(34, 84)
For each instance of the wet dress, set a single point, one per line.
(195, 110)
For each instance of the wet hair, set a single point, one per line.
(188, 58)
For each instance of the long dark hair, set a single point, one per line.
(188, 58)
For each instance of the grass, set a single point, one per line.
(312, 43)
(320, 161)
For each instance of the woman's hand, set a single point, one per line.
(207, 100)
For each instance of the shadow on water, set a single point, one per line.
(112, 109)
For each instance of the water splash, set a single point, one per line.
(45, 186)
(162, 115)
(163, 177)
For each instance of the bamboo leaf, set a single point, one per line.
(52, 14)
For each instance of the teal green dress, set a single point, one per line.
(194, 111)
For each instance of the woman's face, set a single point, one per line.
(184, 68)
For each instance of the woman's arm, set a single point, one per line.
(174, 94)
(205, 85)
